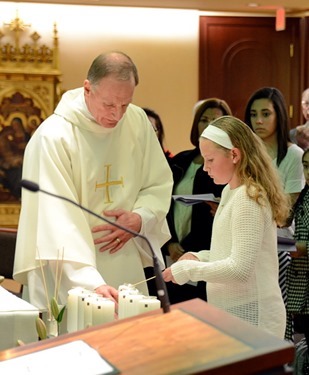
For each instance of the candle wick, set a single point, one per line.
(143, 281)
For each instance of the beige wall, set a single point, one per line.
(163, 44)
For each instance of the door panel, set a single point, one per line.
(239, 55)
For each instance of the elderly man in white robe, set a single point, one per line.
(98, 150)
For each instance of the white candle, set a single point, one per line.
(125, 287)
(81, 307)
(103, 311)
(132, 301)
(124, 292)
(148, 304)
(72, 309)
(88, 302)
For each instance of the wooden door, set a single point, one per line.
(238, 55)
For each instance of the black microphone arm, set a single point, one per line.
(160, 284)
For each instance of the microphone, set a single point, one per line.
(160, 284)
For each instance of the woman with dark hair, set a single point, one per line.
(271, 104)
(157, 125)
(191, 226)
(266, 114)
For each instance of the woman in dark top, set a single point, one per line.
(191, 226)
(157, 125)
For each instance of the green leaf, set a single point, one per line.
(60, 316)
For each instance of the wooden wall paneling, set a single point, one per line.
(241, 54)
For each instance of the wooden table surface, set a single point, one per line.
(193, 338)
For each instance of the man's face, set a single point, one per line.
(108, 100)
(305, 105)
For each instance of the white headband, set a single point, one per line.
(218, 136)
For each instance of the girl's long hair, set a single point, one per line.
(255, 168)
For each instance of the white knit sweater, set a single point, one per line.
(241, 269)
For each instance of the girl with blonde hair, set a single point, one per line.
(241, 268)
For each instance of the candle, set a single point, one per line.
(125, 291)
(81, 307)
(88, 302)
(72, 309)
(125, 287)
(103, 311)
(132, 305)
(148, 304)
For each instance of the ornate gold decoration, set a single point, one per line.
(33, 54)
(29, 92)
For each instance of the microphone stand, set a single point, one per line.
(160, 284)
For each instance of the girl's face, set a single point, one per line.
(306, 167)
(264, 119)
(219, 164)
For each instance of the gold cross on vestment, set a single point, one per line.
(108, 183)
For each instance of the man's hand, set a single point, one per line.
(107, 291)
(116, 238)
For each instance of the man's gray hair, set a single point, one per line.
(114, 63)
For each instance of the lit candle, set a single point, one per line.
(125, 287)
(103, 311)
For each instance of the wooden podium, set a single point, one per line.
(193, 338)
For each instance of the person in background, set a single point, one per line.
(240, 270)
(157, 125)
(98, 150)
(266, 114)
(298, 269)
(191, 226)
(13, 141)
(300, 134)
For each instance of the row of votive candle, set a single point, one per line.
(86, 308)
(131, 302)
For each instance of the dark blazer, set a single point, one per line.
(199, 236)
(201, 224)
